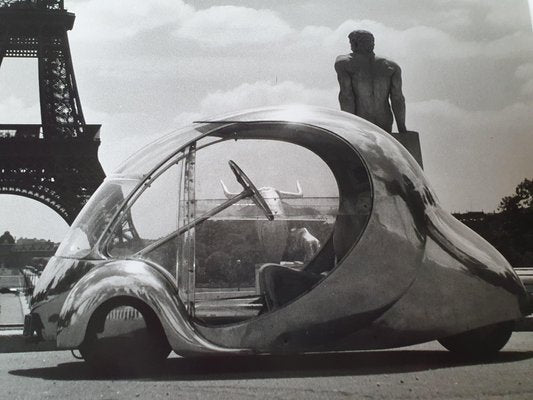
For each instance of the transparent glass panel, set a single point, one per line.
(234, 245)
(94, 217)
(152, 217)
(231, 246)
(147, 158)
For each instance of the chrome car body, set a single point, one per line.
(399, 269)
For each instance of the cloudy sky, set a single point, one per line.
(145, 67)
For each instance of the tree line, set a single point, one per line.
(510, 229)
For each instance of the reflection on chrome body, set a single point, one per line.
(56, 281)
(411, 277)
(404, 270)
(133, 279)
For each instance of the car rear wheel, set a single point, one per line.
(124, 336)
(482, 342)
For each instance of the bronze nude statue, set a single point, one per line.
(368, 82)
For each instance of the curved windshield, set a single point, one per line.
(147, 158)
(94, 217)
(152, 216)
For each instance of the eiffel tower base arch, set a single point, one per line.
(61, 174)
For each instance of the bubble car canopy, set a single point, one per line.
(276, 230)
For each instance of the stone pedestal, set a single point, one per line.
(411, 142)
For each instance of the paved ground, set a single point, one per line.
(418, 372)
(10, 309)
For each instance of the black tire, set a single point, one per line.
(144, 348)
(484, 342)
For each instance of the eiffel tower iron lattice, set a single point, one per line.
(55, 163)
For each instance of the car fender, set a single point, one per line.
(138, 280)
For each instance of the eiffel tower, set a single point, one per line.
(56, 162)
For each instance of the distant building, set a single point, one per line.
(14, 255)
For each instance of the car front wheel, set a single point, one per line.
(124, 337)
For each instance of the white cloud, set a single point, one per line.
(123, 133)
(105, 21)
(222, 46)
(474, 158)
(230, 25)
(422, 41)
(525, 73)
(530, 2)
(258, 94)
(110, 20)
(502, 14)
(506, 13)
(453, 19)
(189, 117)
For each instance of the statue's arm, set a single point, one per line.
(346, 95)
(398, 100)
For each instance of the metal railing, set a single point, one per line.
(29, 277)
(34, 132)
(11, 282)
(23, 282)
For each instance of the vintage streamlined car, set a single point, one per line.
(323, 236)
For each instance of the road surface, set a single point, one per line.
(418, 372)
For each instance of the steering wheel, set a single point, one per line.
(248, 185)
